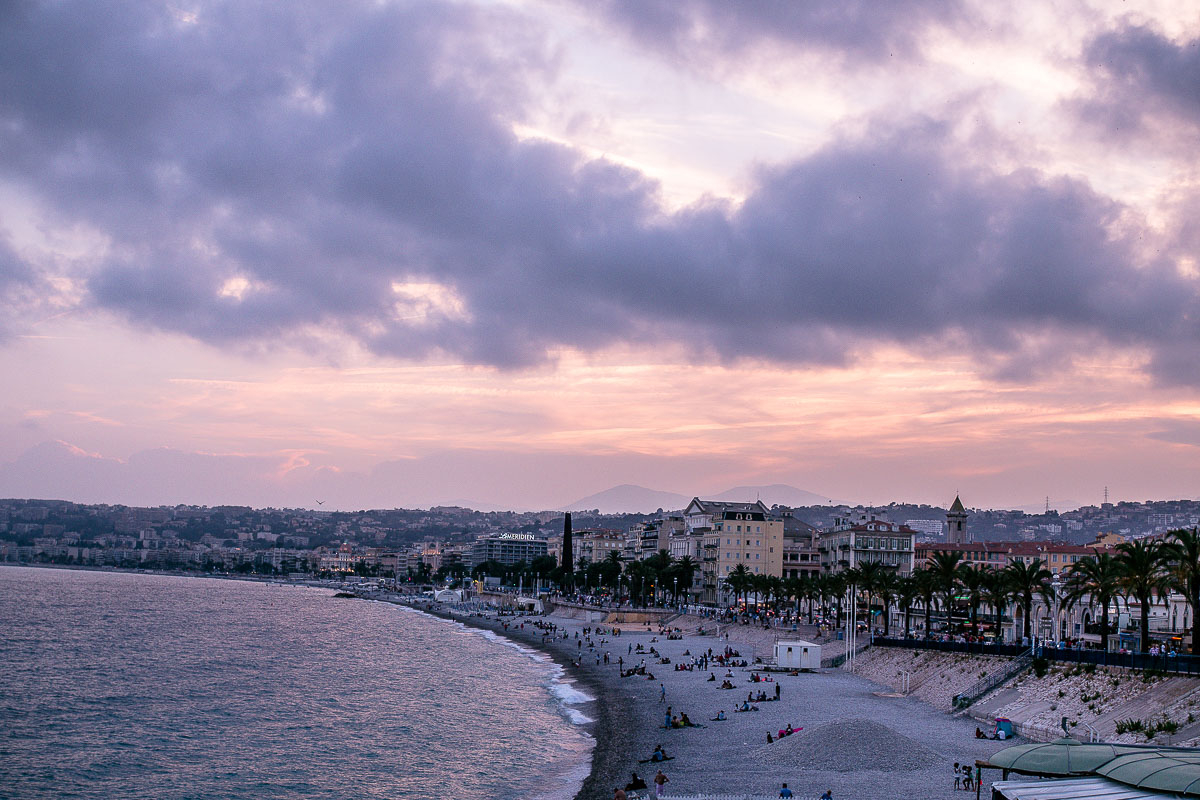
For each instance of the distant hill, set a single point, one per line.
(638, 499)
(776, 494)
(630, 498)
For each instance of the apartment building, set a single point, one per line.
(732, 534)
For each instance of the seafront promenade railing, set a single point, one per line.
(1174, 665)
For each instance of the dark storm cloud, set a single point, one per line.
(702, 31)
(1140, 77)
(323, 154)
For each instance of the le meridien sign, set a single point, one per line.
(525, 537)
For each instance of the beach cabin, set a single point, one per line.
(448, 596)
(797, 654)
(530, 605)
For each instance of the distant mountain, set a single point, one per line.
(628, 498)
(776, 494)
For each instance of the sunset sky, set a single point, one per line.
(513, 253)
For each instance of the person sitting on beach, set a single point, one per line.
(635, 784)
(762, 697)
(676, 722)
(827, 796)
(712, 676)
(769, 739)
(979, 734)
(788, 730)
(720, 717)
(687, 723)
(726, 685)
(619, 793)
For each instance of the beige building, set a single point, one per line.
(848, 546)
(732, 534)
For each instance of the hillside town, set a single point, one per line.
(710, 554)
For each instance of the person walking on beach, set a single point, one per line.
(660, 780)
(662, 693)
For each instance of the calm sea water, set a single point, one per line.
(149, 686)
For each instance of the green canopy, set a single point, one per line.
(1164, 770)
(1058, 759)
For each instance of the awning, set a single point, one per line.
(1168, 771)
(1058, 759)
(1073, 789)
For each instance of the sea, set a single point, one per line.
(128, 685)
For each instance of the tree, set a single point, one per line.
(927, 589)
(739, 581)
(660, 565)
(996, 593)
(611, 569)
(1096, 579)
(1182, 550)
(908, 591)
(946, 575)
(1143, 575)
(972, 581)
(568, 553)
(1025, 579)
(887, 586)
(685, 570)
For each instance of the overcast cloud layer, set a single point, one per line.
(264, 171)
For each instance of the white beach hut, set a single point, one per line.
(797, 654)
(448, 596)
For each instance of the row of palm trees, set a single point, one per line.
(1143, 571)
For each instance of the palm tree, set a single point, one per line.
(761, 584)
(1183, 551)
(887, 587)
(1143, 576)
(996, 593)
(837, 589)
(612, 569)
(972, 581)
(739, 581)
(944, 566)
(1097, 578)
(927, 588)
(1025, 579)
(685, 570)
(636, 573)
(869, 574)
(660, 564)
(907, 592)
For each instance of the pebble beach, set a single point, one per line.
(853, 737)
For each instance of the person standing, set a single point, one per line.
(785, 792)
(662, 693)
(660, 780)
(776, 690)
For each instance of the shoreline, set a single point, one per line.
(611, 712)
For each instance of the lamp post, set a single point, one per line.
(676, 592)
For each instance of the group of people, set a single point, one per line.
(964, 776)
(637, 784)
(788, 731)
